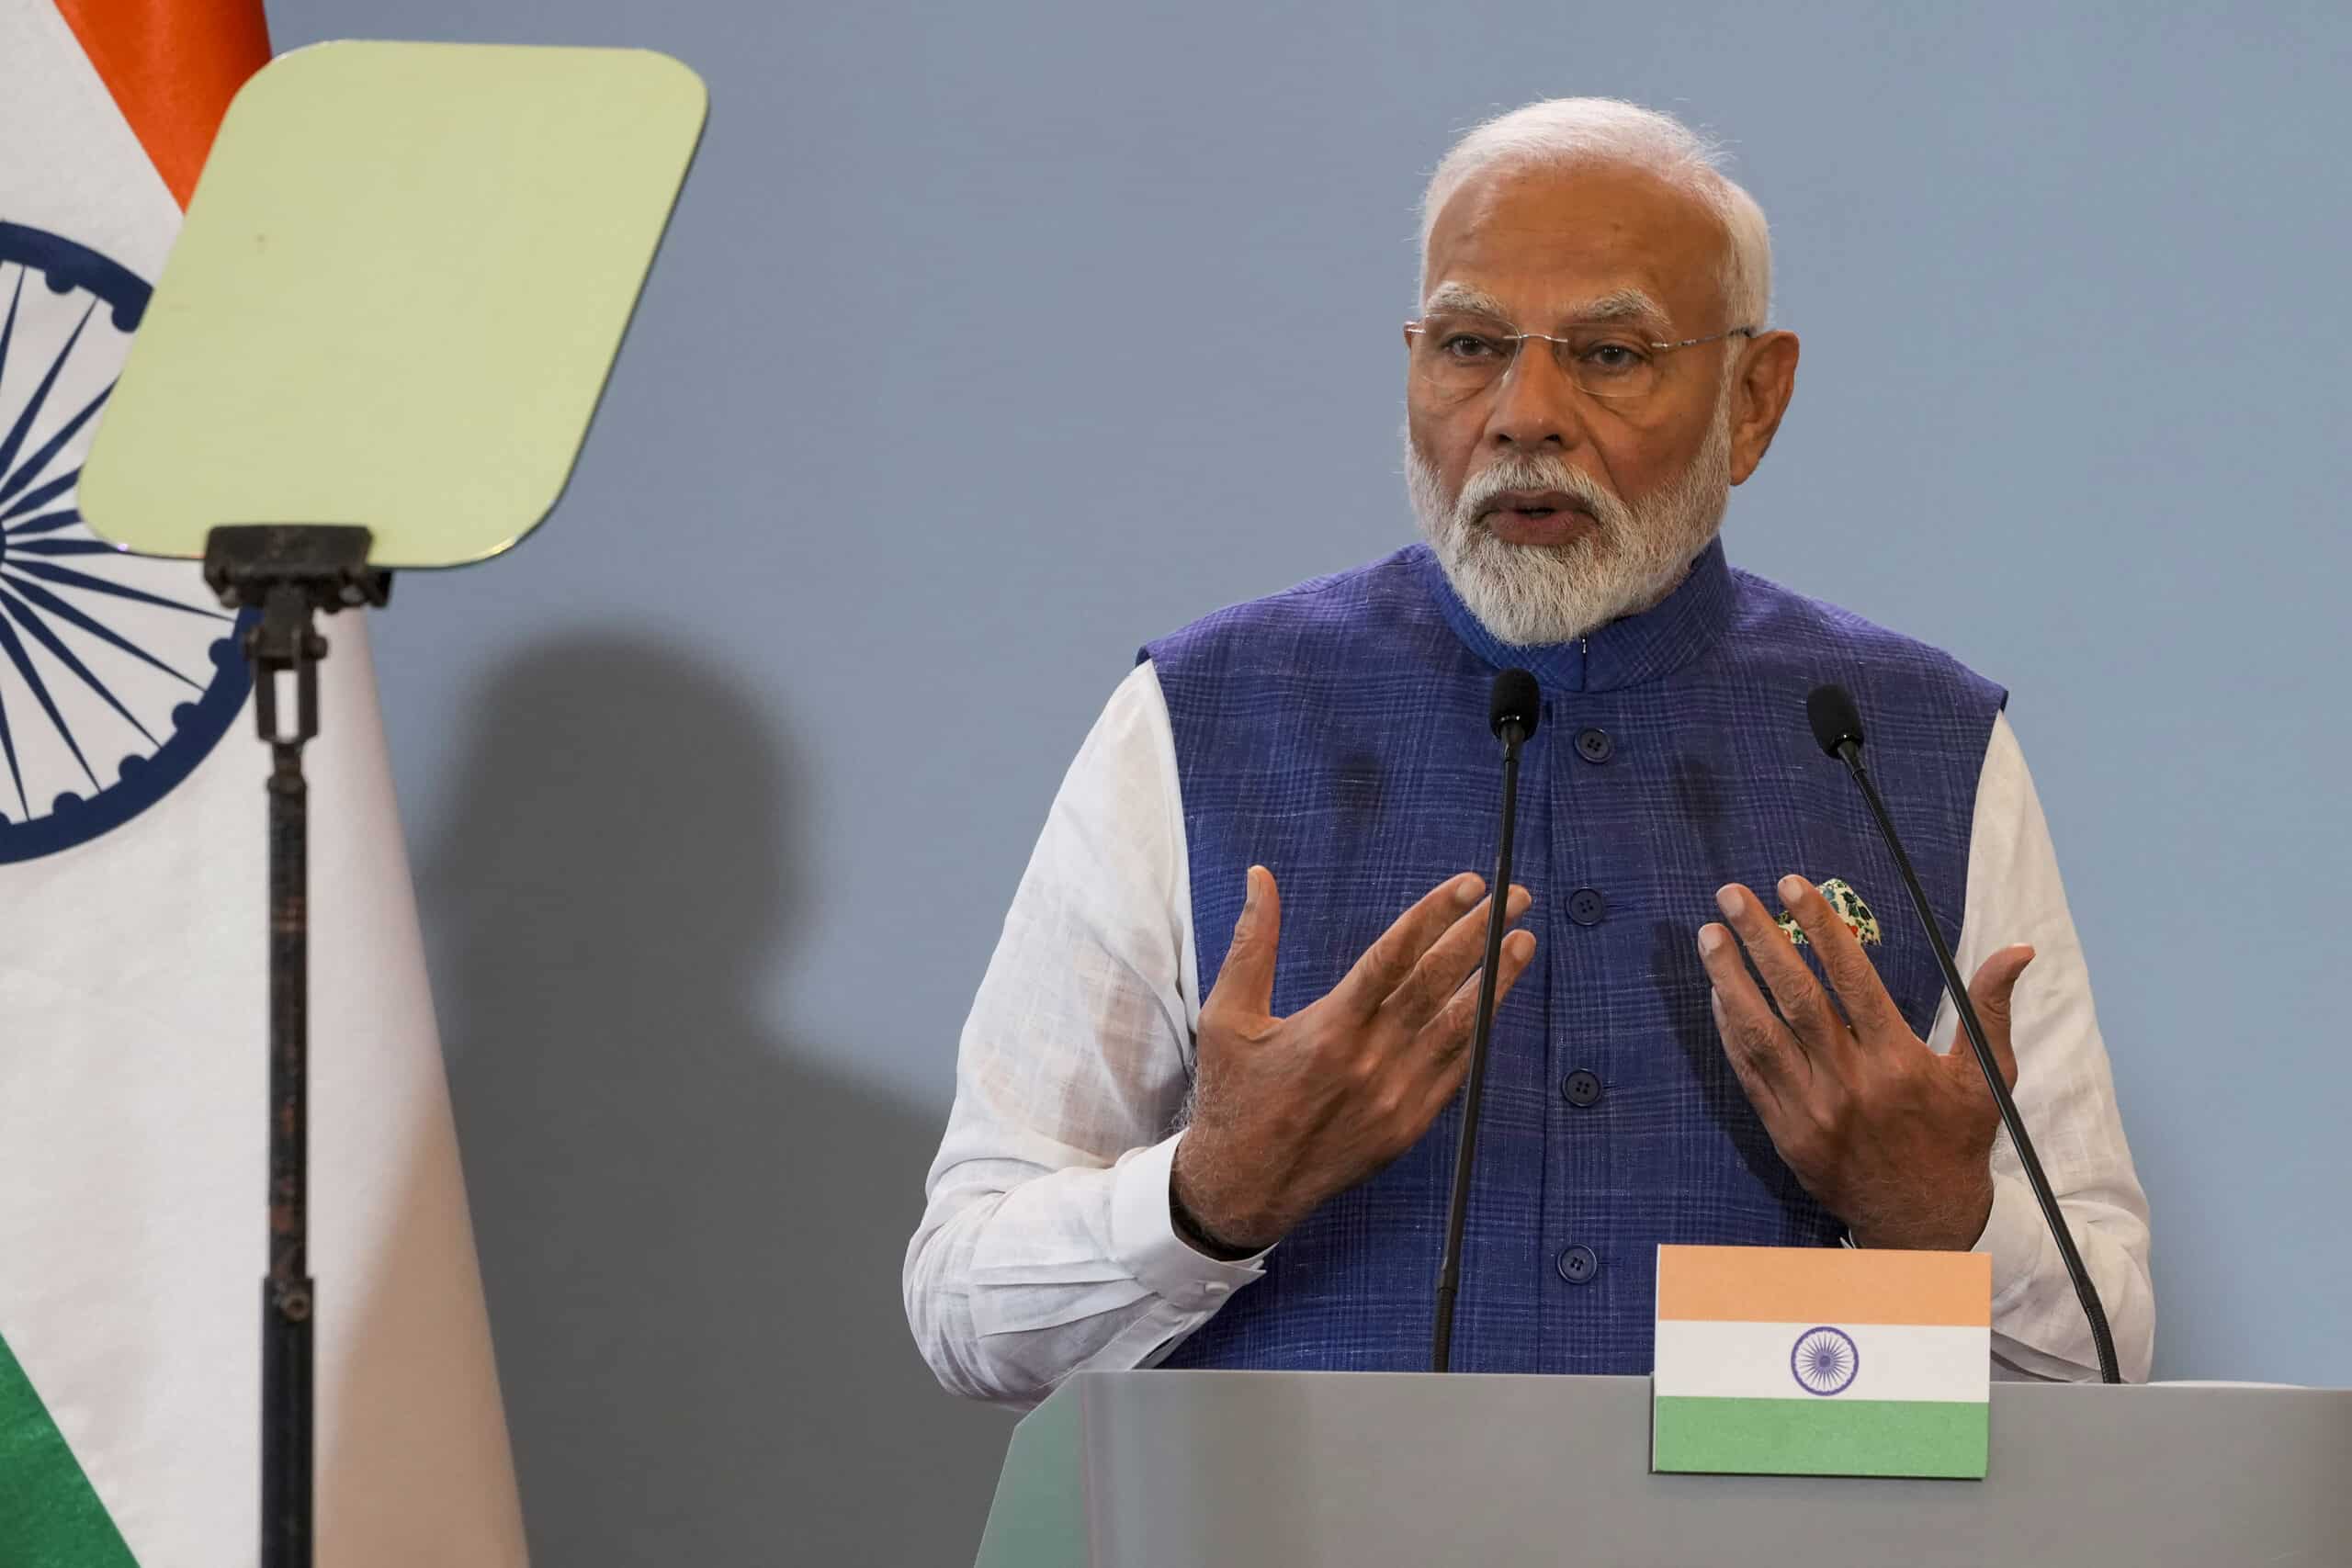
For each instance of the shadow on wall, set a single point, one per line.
(690, 1231)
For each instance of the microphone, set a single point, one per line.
(1512, 709)
(1514, 700)
(1838, 726)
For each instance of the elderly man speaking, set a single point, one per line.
(1136, 1173)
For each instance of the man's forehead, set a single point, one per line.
(1557, 241)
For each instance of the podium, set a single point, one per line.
(1378, 1469)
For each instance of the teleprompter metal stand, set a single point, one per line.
(394, 302)
(291, 574)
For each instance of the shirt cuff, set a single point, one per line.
(1144, 1238)
(2014, 1238)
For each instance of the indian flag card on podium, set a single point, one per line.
(1818, 1361)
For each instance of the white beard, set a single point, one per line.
(1528, 594)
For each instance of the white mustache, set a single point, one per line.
(1525, 472)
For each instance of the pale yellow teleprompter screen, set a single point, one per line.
(402, 281)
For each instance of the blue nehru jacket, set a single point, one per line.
(1337, 734)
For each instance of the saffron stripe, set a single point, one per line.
(1820, 1436)
(1817, 1284)
(172, 67)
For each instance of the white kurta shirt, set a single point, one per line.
(1046, 1245)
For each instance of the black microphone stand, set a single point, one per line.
(289, 574)
(1449, 1274)
(1849, 751)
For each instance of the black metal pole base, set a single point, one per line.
(286, 1431)
(290, 573)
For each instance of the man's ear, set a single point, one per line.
(1766, 380)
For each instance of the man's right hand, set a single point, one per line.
(1287, 1112)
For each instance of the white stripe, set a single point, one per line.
(1751, 1360)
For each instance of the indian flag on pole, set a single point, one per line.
(133, 1077)
(1822, 1361)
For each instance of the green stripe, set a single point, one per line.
(1819, 1436)
(48, 1512)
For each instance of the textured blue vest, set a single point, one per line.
(1337, 734)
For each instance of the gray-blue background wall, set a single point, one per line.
(990, 340)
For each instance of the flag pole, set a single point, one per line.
(290, 573)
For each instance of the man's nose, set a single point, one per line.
(1537, 405)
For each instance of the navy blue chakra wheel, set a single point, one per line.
(1824, 1360)
(117, 675)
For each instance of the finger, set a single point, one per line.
(1390, 958)
(1246, 983)
(1445, 967)
(1993, 990)
(1852, 975)
(1818, 1028)
(1448, 1035)
(1769, 1063)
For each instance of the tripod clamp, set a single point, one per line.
(290, 572)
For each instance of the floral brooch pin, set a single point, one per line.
(1850, 908)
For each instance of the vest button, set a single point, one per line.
(1587, 907)
(1594, 745)
(1577, 1265)
(1581, 1089)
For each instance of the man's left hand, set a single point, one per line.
(1893, 1138)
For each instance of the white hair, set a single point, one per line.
(1564, 132)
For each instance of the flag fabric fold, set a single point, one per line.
(133, 1112)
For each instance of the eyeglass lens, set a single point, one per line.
(1465, 354)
